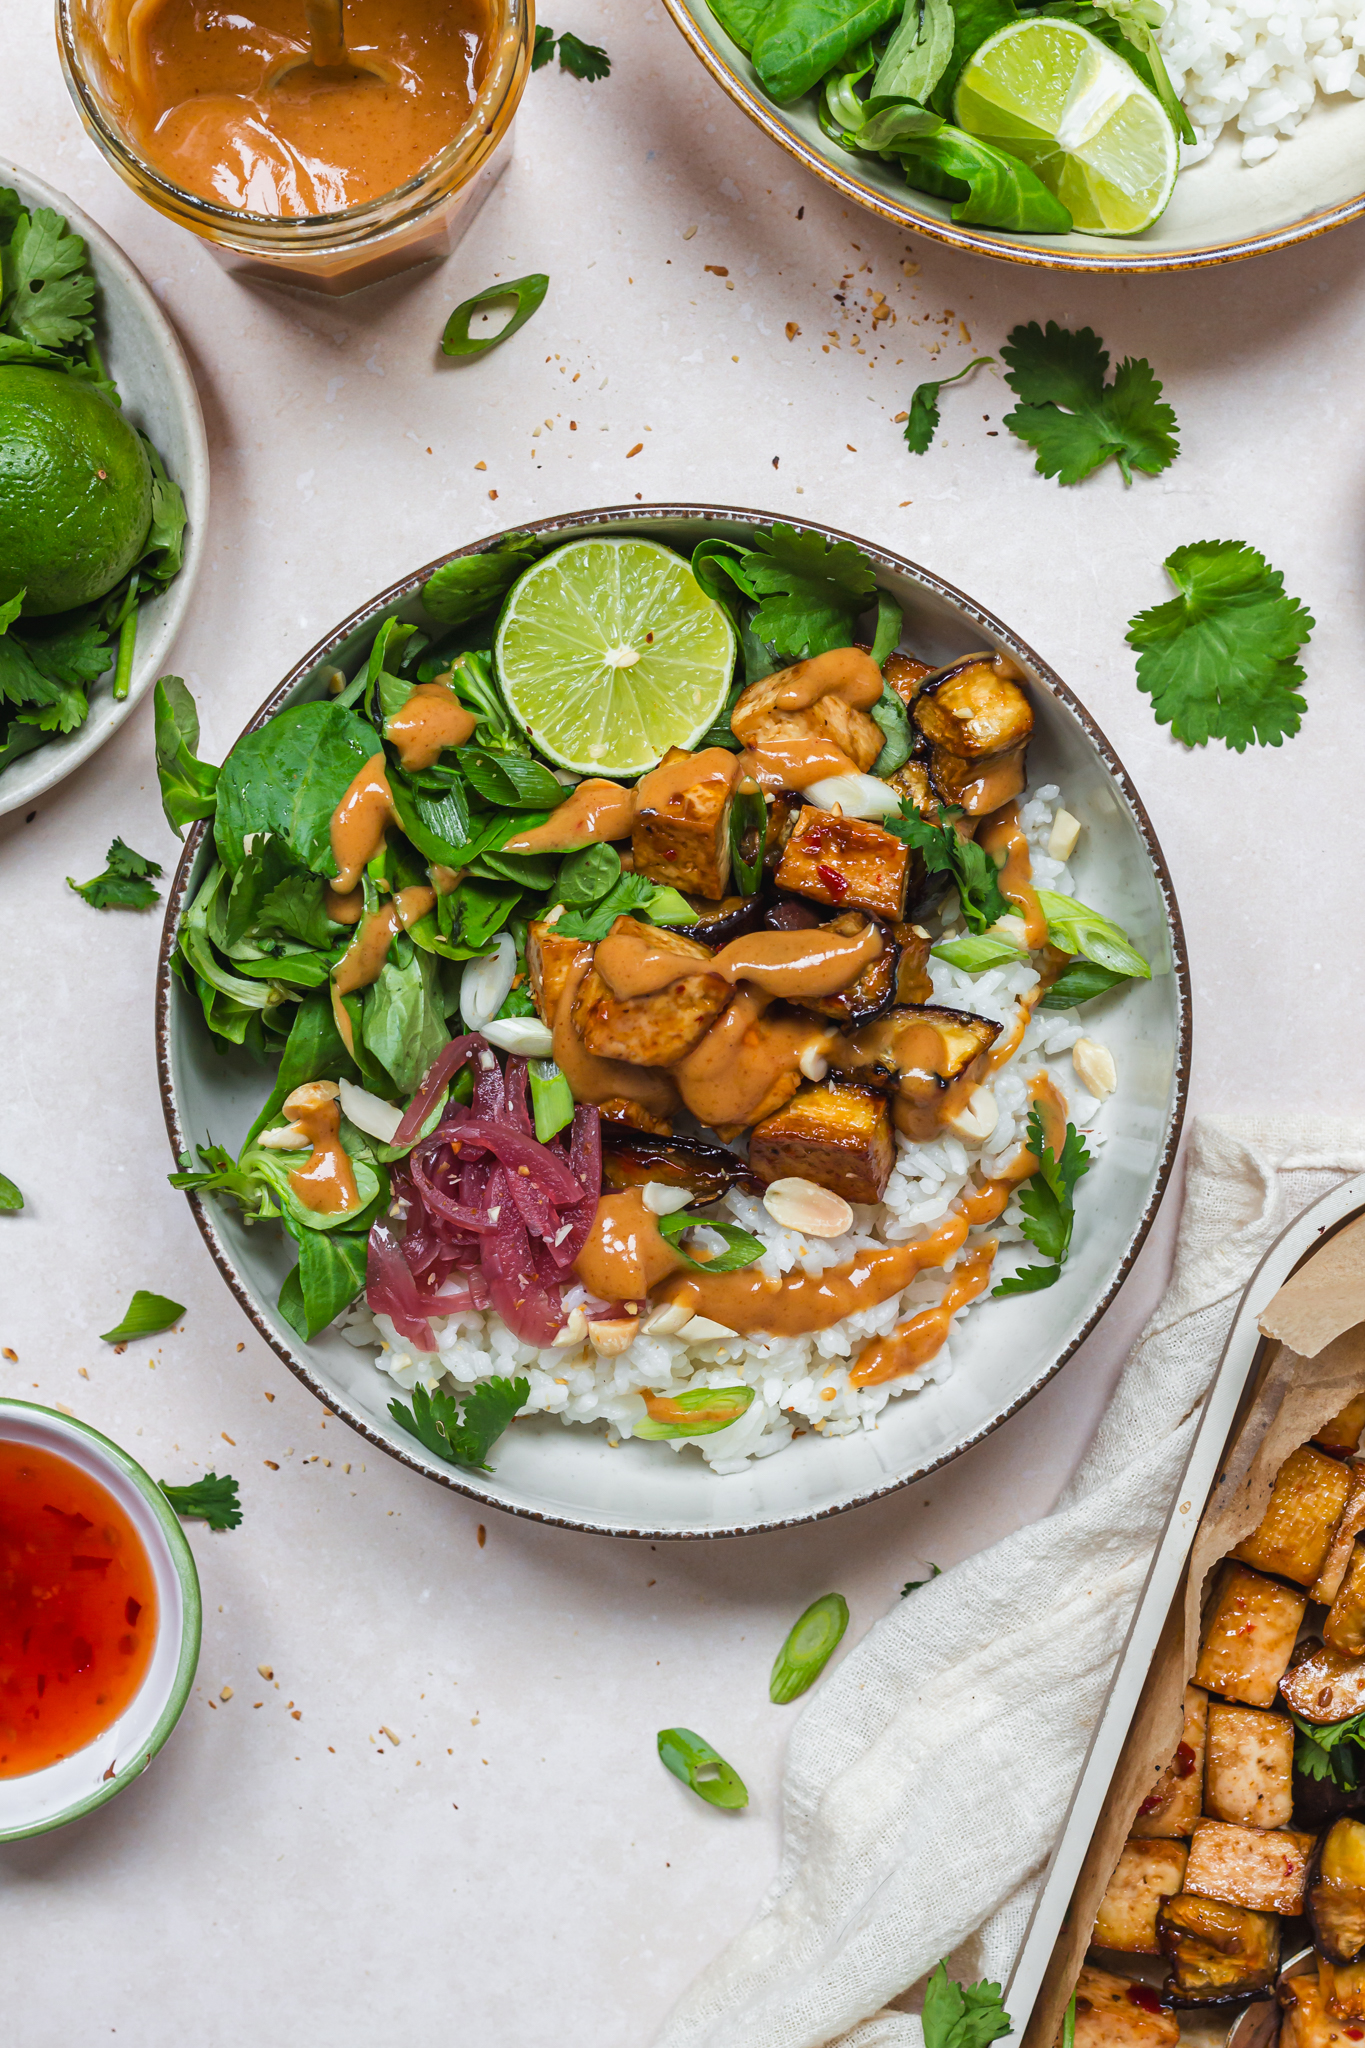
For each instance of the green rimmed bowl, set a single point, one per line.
(90, 1777)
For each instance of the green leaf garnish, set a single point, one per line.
(526, 295)
(892, 721)
(1074, 420)
(962, 2015)
(812, 1642)
(210, 1499)
(1331, 1751)
(125, 883)
(49, 294)
(913, 1585)
(921, 421)
(580, 60)
(1218, 659)
(187, 783)
(1048, 1202)
(701, 1768)
(144, 1316)
(743, 1249)
(945, 853)
(437, 1422)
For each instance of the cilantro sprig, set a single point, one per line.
(962, 2015)
(921, 421)
(462, 1438)
(1331, 1752)
(125, 883)
(587, 61)
(807, 591)
(1048, 1203)
(1218, 658)
(210, 1499)
(1072, 419)
(944, 852)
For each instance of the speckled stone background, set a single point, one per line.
(518, 1869)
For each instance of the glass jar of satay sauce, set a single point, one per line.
(302, 159)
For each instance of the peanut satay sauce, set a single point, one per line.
(1002, 838)
(326, 1182)
(215, 102)
(433, 718)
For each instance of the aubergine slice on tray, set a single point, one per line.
(1173, 1805)
(1336, 1892)
(631, 1158)
(1321, 1685)
(1296, 1531)
(1117, 2012)
(1145, 1876)
(1248, 1637)
(1218, 1952)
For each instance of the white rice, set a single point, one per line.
(802, 1383)
(1259, 63)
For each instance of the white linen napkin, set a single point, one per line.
(928, 1776)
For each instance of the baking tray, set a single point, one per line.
(1233, 1386)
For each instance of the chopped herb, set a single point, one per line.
(921, 422)
(580, 60)
(144, 1316)
(124, 885)
(1218, 659)
(1048, 1202)
(812, 1642)
(11, 1200)
(945, 853)
(743, 1249)
(702, 1768)
(210, 1499)
(435, 1419)
(913, 1585)
(1076, 422)
(527, 294)
(1330, 1752)
(701, 1411)
(962, 2015)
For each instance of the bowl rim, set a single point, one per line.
(571, 525)
(54, 763)
(192, 1612)
(981, 241)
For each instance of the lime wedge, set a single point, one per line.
(1052, 94)
(610, 652)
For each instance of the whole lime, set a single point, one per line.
(75, 491)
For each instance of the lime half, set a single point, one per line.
(610, 652)
(1052, 94)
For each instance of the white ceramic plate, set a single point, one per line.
(572, 1475)
(40, 1800)
(1222, 209)
(146, 361)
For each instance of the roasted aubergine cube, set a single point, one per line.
(1248, 1636)
(681, 834)
(1116, 2012)
(1344, 1628)
(1173, 1805)
(1218, 1952)
(904, 673)
(1296, 1530)
(925, 1054)
(634, 1158)
(849, 863)
(717, 923)
(875, 989)
(758, 719)
(1147, 1873)
(977, 720)
(623, 1114)
(833, 1133)
(1336, 1892)
(658, 1029)
(550, 960)
(1343, 1432)
(1321, 1685)
(1352, 1524)
(1250, 1770)
(1263, 1868)
(914, 983)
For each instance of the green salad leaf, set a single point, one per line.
(328, 1277)
(1218, 659)
(463, 590)
(288, 777)
(921, 421)
(741, 19)
(798, 41)
(188, 785)
(125, 883)
(462, 1432)
(917, 55)
(210, 1499)
(1047, 1200)
(1074, 420)
(144, 1316)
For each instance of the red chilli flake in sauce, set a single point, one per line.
(1145, 1998)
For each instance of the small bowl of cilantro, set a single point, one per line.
(103, 487)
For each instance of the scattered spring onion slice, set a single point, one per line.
(144, 1316)
(11, 1200)
(701, 1768)
(748, 836)
(527, 294)
(743, 1249)
(807, 1650)
(701, 1411)
(974, 953)
(551, 1098)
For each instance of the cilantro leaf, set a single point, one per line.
(1318, 1751)
(583, 60)
(1072, 419)
(1048, 1203)
(945, 853)
(544, 46)
(144, 1316)
(124, 885)
(48, 291)
(11, 1200)
(809, 592)
(435, 1419)
(921, 421)
(1217, 660)
(962, 2015)
(913, 1585)
(210, 1499)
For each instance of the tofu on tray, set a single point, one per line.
(1233, 1859)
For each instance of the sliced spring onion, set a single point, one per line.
(551, 1098)
(857, 796)
(807, 1650)
(526, 295)
(748, 836)
(701, 1411)
(701, 1768)
(369, 1113)
(525, 1035)
(487, 982)
(743, 1249)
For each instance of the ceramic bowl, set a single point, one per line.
(1222, 209)
(146, 361)
(45, 1799)
(573, 1476)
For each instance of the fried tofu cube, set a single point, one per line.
(977, 720)
(1323, 1686)
(550, 960)
(1343, 1987)
(1296, 1530)
(1146, 1874)
(758, 718)
(1248, 1636)
(875, 989)
(1249, 1773)
(1336, 1893)
(847, 862)
(680, 837)
(1344, 1628)
(905, 673)
(837, 1135)
(1307, 2021)
(1109, 2016)
(658, 1029)
(1175, 1802)
(1263, 1868)
(1218, 1952)
(1343, 1432)
(914, 984)
(1352, 1524)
